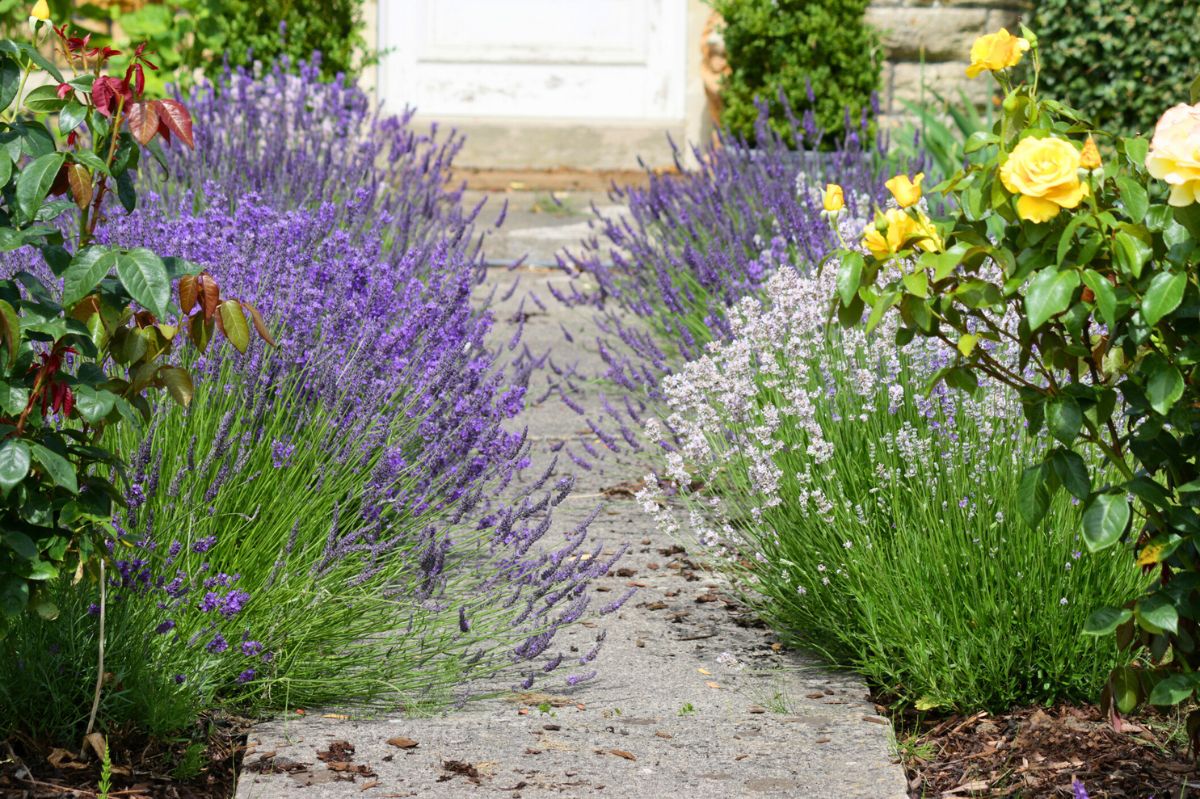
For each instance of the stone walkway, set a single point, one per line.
(667, 715)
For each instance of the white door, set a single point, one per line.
(534, 59)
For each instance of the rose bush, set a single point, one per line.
(79, 361)
(1086, 270)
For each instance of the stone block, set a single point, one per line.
(944, 78)
(942, 33)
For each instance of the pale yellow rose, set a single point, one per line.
(834, 200)
(1045, 173)
(996, 51)
(906, 191)
(901, 227)
(1174, 155)
(41, 11)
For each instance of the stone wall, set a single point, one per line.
(941, 32)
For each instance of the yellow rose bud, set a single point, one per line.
(834, 200)
(41, 11)
(906, 191)
(996, 51)
(1089, 159)
(1045, 173)
(1174, 155)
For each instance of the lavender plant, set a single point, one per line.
(272, 133)
(694, 244)
(355, 484)
(876, 523)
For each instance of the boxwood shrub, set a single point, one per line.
(819, 55)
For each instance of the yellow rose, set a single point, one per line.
(901, 228)
(41, 10)
(995, 51)
(906, 191)
(834, 200)
(1045, 173)
(1174, 155)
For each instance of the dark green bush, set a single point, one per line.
(195, 36)
(779, 46)
(1121, 62)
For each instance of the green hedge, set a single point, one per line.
(775, 45)
(1123, 62)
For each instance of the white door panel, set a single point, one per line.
(574, 59)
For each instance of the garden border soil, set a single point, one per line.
(1035, 751)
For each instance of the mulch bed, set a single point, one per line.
(139, 772)
(1038, 752)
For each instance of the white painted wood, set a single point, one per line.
(618, 60)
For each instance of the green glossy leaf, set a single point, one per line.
(20, 543)
(10, 81)
(1049, 294)
(59, 468)
(1130, 253)
(1104, 521)
(14, 463)
(145, 278)
(36, 57)
(1033, 495)
(1136, 151)
(87, 269)
(34, 183)
(1126, 689)
(44, 100)
(1106, 297)
(1134, 197)
(1164, 383)
(1157, 612)
(1163, 296)
(90, 160)
(71, 116)
(13, 398)
(848, 276)
(233, 321)
(1173, 690)
(1105, 621)
(94, 404)
(1064, 419)
(42, 570)
(1072, 472)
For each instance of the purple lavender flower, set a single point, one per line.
(204, 544)
(217, 645)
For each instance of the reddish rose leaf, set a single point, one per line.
(210, 295)
(188, 293)
(259, 324)
(143, 122)
(80, 182)
(176, 117)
